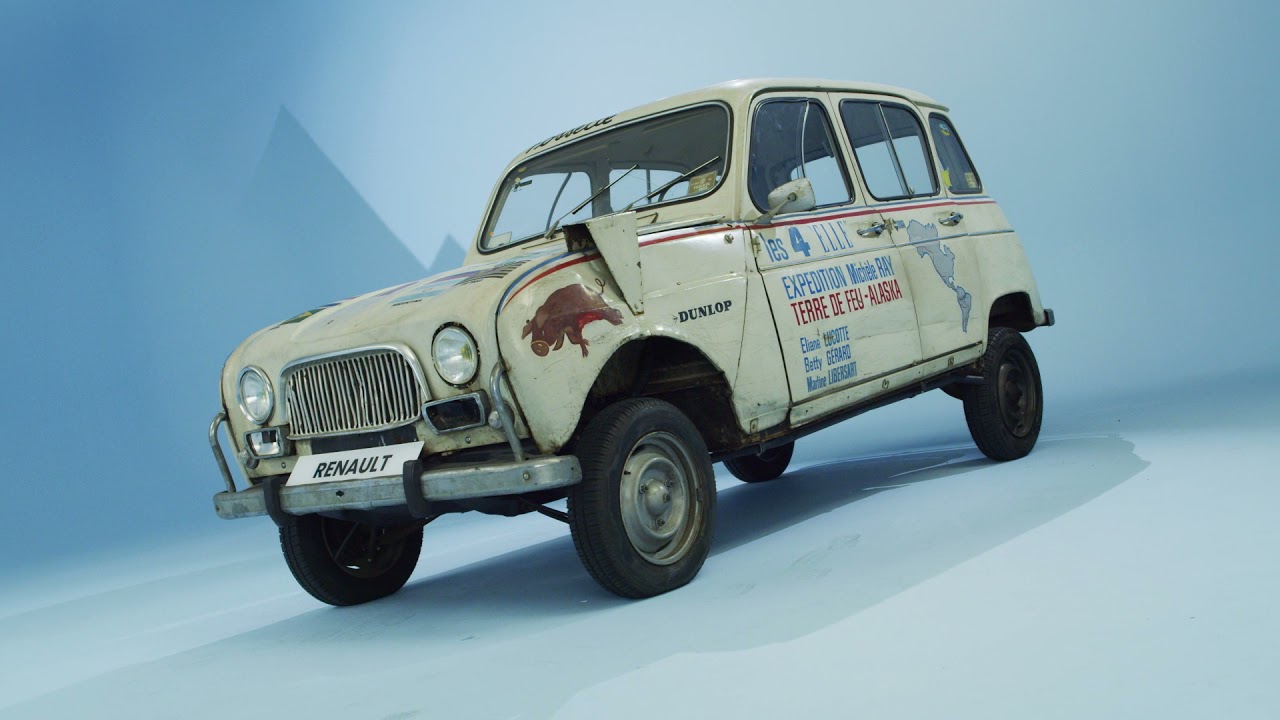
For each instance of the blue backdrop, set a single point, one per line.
(175, 177)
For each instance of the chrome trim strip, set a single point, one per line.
(504, 413)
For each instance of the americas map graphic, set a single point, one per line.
(944, 261)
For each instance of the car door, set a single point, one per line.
(841, 305)
(893, 157)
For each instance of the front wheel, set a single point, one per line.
(1004, 411)
(340, 562)
(643, 515)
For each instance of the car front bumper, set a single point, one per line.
(415, 488)
(454, 483)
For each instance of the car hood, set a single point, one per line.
(407, 315)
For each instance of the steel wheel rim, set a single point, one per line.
(1016, 394)
(362, 551)
(658, 499)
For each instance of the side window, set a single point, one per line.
(957, 169)
(791, 139)
(890, 148)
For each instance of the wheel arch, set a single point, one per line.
(673, 370)
(1013, 310)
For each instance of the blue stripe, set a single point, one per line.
(520, 278)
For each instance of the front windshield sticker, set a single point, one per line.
(570, 133)
(701, 183)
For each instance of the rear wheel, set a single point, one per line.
(763, 467)
(340, 562)
(643, 515)
(1004, 411)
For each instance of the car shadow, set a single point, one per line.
(791, 557)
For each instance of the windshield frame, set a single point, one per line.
(725, 158)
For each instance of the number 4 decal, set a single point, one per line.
(797, 241)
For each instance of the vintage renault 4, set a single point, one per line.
(706, 278)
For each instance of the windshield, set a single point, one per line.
(639, 159)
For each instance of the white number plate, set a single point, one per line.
(386, 461)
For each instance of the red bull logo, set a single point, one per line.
(563, 316)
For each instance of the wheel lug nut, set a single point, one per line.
(666, 497)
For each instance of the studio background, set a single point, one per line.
(176, 176)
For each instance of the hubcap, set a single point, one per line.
(659, 507)
(1016, 394)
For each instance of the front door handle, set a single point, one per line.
(951, 219)
(872, 230)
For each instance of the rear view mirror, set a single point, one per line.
(794, 196)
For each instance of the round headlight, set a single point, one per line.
(256, 399)
(455, 354)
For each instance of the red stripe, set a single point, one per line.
(857, 213)
(568, 263)
(656, 241)
(873, 210)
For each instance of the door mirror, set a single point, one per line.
(794, 196)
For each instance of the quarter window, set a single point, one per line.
(889, 145)
(791, 139)
(957, 169)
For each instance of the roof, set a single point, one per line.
(735, 93)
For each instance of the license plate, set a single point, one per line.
(385, 461)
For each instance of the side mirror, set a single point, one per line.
(794, 196)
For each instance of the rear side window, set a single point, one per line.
(791, 139)
(890, 148)
(958, 174)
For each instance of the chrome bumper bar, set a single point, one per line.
(455, 483)
(415, 488)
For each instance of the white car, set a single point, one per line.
(705, 278)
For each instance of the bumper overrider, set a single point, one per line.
(413, 487)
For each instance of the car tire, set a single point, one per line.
(763, 467)
(340, 562)
(1005, 409)
(643, 516)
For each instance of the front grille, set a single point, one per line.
(358, 392)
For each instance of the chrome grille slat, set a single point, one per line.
(363, 391)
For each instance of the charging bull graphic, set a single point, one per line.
(563, 315)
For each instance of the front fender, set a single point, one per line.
(558, 329)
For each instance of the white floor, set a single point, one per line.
(1127, 568)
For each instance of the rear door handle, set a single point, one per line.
(872, 230)
(951, 219)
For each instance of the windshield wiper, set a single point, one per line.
(551, 230)
(671, 184)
